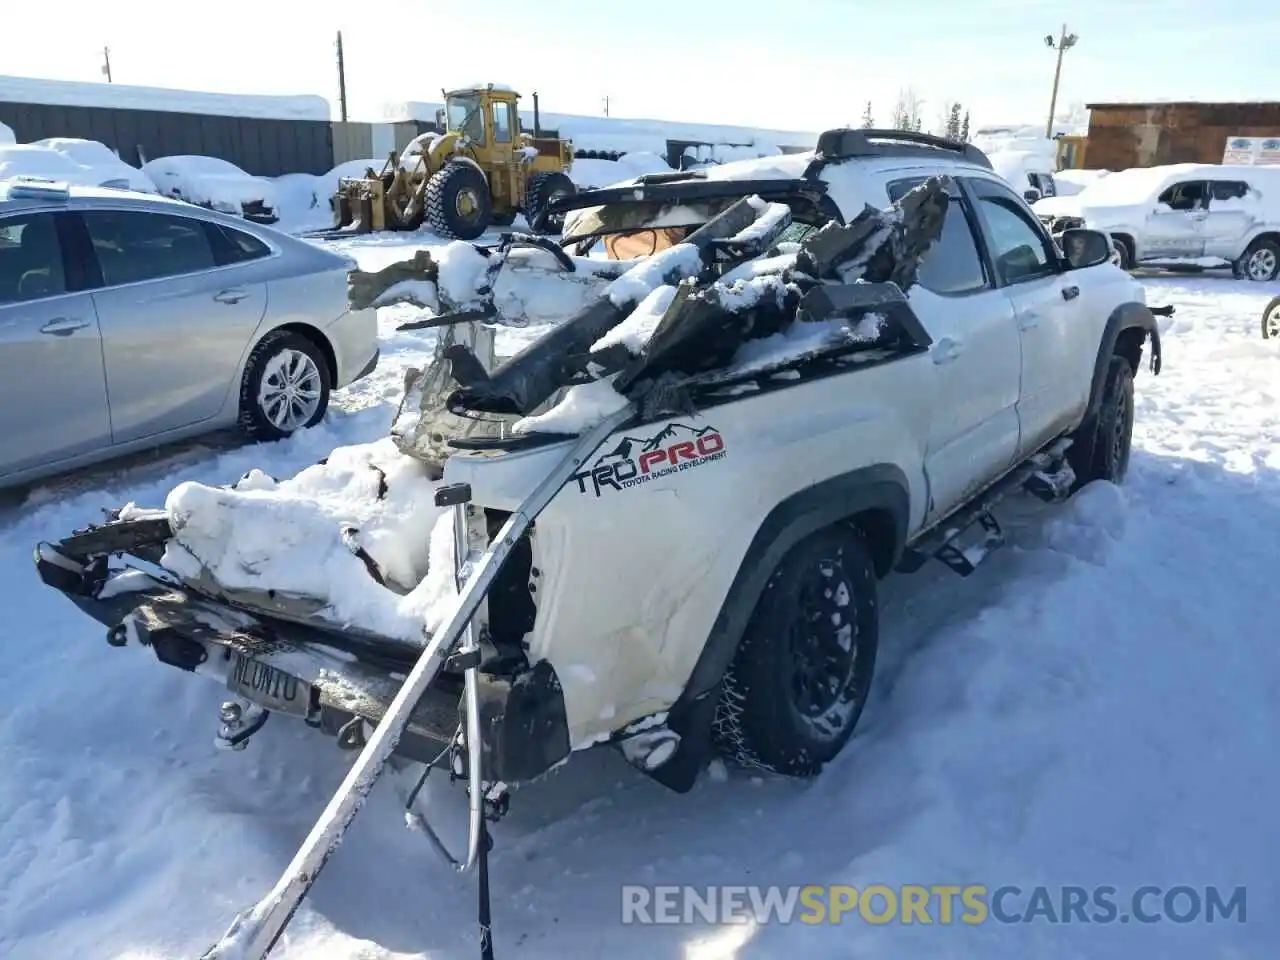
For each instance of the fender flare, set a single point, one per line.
(1131, 315)
(881, 487)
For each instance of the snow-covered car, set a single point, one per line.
(129, 321)
(793, 428)
(216, 184)
(98, 157)
(43, 162)
(1027, 170)
(1189, 211)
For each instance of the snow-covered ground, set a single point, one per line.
(1096, 706)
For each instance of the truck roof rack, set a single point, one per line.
(844, 143)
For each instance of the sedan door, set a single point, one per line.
(53, 396)
(175, 324)
(1046, 302)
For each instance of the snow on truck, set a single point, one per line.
(660, 525)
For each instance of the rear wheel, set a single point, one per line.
(285, 387)
(1271, 320)
(1125, 248)
(1261, 261)
(800, 677)
(541, 190)
(456, 202)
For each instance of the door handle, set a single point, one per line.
(230, 296)
(64, 326)
(1028, 320)
(945, 351)
(1071, 292)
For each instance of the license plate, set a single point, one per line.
(268, 687)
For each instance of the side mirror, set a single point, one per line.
(1085, 248)
(1031, 195)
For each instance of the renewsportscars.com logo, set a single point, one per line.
(942, 904)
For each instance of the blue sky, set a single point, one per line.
(788, 64)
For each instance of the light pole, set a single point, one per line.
(1064, 43)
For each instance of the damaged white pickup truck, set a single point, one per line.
(809, 371)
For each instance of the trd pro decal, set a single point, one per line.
(636, 460)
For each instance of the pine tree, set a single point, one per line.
(953, 122)
(867, 121)
(964, 127)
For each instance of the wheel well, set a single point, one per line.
(1271, 235)
(1129, 346)
(320, 342)
(880, 529)
(1127, 240)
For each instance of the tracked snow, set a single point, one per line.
(1096, 706)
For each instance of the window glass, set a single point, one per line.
(134, 246)
(1190, 195)
(1228, 189)
(30, 259)
(502, 123)
(234, 246)
(953, 265)
(1018, 247)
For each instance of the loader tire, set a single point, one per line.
(456, 202)
(800, 677)
(540, 191)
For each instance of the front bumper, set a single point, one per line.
(310, 672)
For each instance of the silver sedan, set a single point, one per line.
(129, 321)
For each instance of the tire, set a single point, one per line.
(1271, 320)
(265, 368)
(1260, 262)
(767, 716)
(456, 202)
(1125, 248)
(1103, 454)
(541, 189)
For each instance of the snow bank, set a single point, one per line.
(288, 536)
(210, 181)
(99, 158)
(6, 134)
(119, 96)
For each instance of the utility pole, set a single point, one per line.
(342, 80)
(1064, 43)
(106, 62)
(606, 105)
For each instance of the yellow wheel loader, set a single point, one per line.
(481, 172)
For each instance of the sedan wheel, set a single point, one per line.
(286, 386)
(1261, 262)
(1271, 320)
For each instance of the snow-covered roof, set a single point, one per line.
(67, 93)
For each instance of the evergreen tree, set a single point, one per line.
(867, 121)
(953, 122)
(964, 127)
